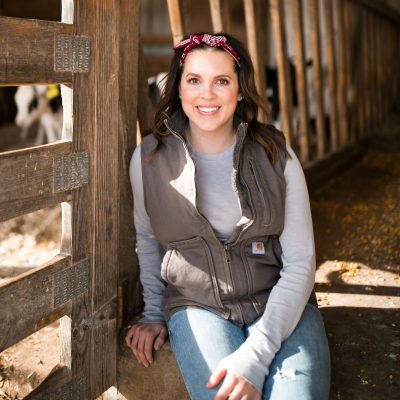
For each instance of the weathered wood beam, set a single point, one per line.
(47, 389)
(313, 7)
(220, 16)
(175, 19)
(28, 51)
(253, 29)
(301, 81)
(342, 76)
(332, 75)
(35, 299)
(39, 177)
(128, 274)
(285, 93)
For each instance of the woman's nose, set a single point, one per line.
(208, 91)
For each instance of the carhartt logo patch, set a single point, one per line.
(258, 248)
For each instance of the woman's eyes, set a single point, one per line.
(222, 81)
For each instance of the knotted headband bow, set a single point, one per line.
(209, 40)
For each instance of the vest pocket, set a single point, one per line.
(189, 268)
(263, 207)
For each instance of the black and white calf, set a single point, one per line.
(41, 103)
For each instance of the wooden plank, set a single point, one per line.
(28, 302)
(128, 274)
(58, 376)
(27, 51)
(285, 94)
(95, 208)
(175, 19)
(254, 46)
(220, 15)
(313, 9)
(301, 81)
(332, 75)
(342, 76)
(27, 179)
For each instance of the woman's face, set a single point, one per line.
(209, 90)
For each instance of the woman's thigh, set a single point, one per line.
(301, 368)
(200, 340)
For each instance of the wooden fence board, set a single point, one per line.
(285, 92)
(129, 101)
(27, 179)
(313, 8)
(332, 75)
(342, 76)
(27, 51)
(28, 302)
(220, 16)
(301, 81)
(175, 19)
(254, 44)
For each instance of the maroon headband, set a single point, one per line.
(209, 40)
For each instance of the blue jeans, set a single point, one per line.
(200, 339)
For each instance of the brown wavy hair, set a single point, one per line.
(247, 110)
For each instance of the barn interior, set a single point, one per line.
(356, 231)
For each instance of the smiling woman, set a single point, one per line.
(225, 238)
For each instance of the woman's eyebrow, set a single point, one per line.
(216, 77)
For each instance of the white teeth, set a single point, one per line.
(207, 109)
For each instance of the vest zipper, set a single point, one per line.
(227, 250)
(226, 247)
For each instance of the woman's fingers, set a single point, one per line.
(142, 338)
(235, 387)
(216, 377)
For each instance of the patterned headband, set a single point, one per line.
(209, 40)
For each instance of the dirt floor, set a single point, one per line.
(357, 232)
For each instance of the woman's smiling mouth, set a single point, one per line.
(207, 110)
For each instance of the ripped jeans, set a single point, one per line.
(299, 371)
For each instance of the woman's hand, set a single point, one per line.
(143, 338)
(234, 387)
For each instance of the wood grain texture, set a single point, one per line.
(27, 178)
(253, 27)
(27, 51)
(332, 75)
(58, 376)
(128, 102)
(27, 302)
(301, 81)
(342, 76)
(313, 9)
(95, 208)
(285, 92)
(220, 15)
(175, 19)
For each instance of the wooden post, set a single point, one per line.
(128, 105)
(301, 81)
(332, 75)
(342, 78)
(254, 46)
(175, 18)
(285, 93)
(96, 206)
(318, 78)
(220, 15)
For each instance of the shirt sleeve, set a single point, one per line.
(289, 296)
(148, 248)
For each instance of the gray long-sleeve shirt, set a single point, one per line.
(218, 203)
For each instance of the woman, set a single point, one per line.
(225, 239)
